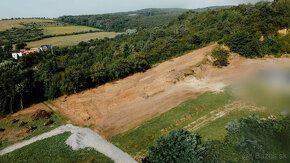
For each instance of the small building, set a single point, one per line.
(23, 52)
(17, 55)
(45, 47)
(35, 49)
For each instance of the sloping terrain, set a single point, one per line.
(119, 106)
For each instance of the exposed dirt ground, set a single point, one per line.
(18, 133)
(119, 106)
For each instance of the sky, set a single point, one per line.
(55, 8)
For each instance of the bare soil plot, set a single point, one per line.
(116, 107)
(119, 106)
(15, 132)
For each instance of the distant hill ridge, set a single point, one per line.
(139, 19)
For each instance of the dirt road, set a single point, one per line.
(80, 138)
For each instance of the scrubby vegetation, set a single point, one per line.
(220, 56)
(53, 149)
(95, 62)
(249, 139)
(178, 146)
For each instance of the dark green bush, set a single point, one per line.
(178, 146)
(221, 56)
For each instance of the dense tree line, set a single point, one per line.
(92, 63)
(120, 22)
(248, 139)
(17, 35)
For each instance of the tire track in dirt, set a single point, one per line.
(219, 113)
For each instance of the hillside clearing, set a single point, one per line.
(116, 107)
(71, 40)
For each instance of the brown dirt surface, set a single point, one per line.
(116, 107)
(32, 109)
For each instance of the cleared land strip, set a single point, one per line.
(80, 138)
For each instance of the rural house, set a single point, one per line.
(23, 52)
(45, 47)
(16, 55)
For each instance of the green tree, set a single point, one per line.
(10, 87)
(245, 44)
(178, 146)
(75, 79)
(221, 56)
(251, 139)
(20, 46)
(98, 73)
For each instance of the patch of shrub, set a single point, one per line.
(221, 56)
(178, 146)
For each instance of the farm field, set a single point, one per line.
(54, 149)
(8, 24)
(28, 30)
(66, 29)
(71, 40)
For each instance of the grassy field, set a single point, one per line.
(48, 27)
(66, 29)
(71, 40)
(53, 149)
(8, 24)
(206, 115)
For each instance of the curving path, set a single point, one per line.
(80, 138)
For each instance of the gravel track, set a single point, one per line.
(80, 138)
